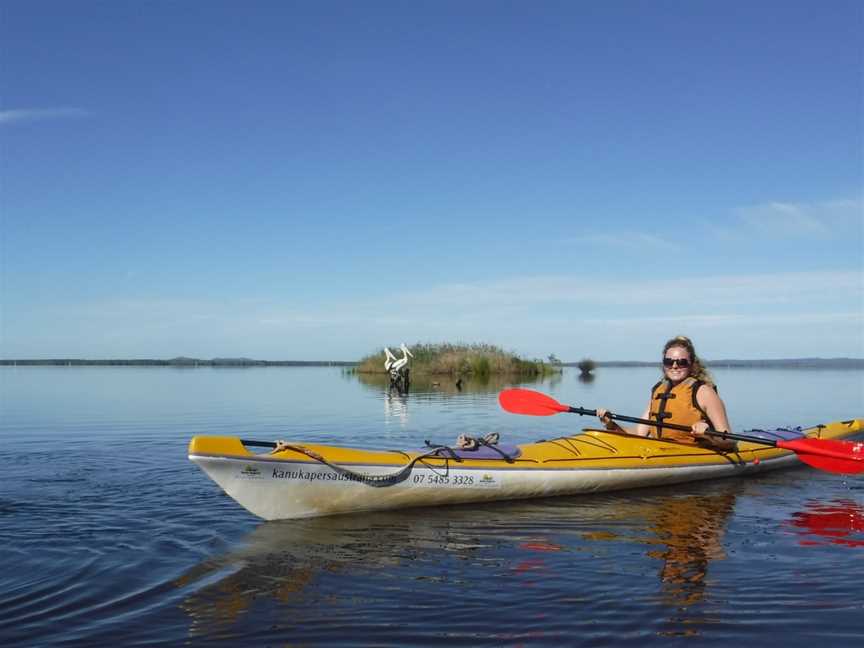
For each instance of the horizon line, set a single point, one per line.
(186, 360)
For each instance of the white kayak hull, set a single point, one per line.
(277, 487)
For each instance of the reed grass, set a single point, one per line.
(478, 360)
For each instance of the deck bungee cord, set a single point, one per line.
(465, 445)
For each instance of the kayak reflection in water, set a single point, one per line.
(689, 536)
(316, 569)
(685, 395)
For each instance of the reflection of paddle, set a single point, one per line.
(836, 521)
(844, 457)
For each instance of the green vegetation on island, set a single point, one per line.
(479, 360)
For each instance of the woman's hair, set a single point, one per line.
(697, 367)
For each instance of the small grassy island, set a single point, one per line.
(478, 360)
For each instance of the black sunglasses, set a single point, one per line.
(681, 362)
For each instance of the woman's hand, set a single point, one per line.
(699, 429)
(605, 419)
(603, 415)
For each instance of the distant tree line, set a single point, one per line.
(177, 362)
(787, 363)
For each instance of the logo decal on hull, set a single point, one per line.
(250, 472)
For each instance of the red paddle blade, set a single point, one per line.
(525, 401)
(831, 455)
(833, 465)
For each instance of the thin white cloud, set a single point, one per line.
(732, 320)
(775, 288)
(801, 219)
(20, 115)
(637, 241)
(524, 297)
(785, 314)
(779, 220)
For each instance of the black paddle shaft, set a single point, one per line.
(673, 426)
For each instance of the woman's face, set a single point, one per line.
(677, 363)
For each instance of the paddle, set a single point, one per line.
(831, 455)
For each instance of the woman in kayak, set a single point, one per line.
(685, 396)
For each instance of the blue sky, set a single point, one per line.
(314, 180)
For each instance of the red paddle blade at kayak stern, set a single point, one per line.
(834, 456)
(525, 401)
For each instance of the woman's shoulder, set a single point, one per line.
(706, 389)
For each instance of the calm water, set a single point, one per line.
(111, 536)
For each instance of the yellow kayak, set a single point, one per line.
(298, 479)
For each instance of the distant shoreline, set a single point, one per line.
(788, 363)
(784, 363)
(176, 362)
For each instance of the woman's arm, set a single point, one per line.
(640, 430)
(711, 402)
(645, 430)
